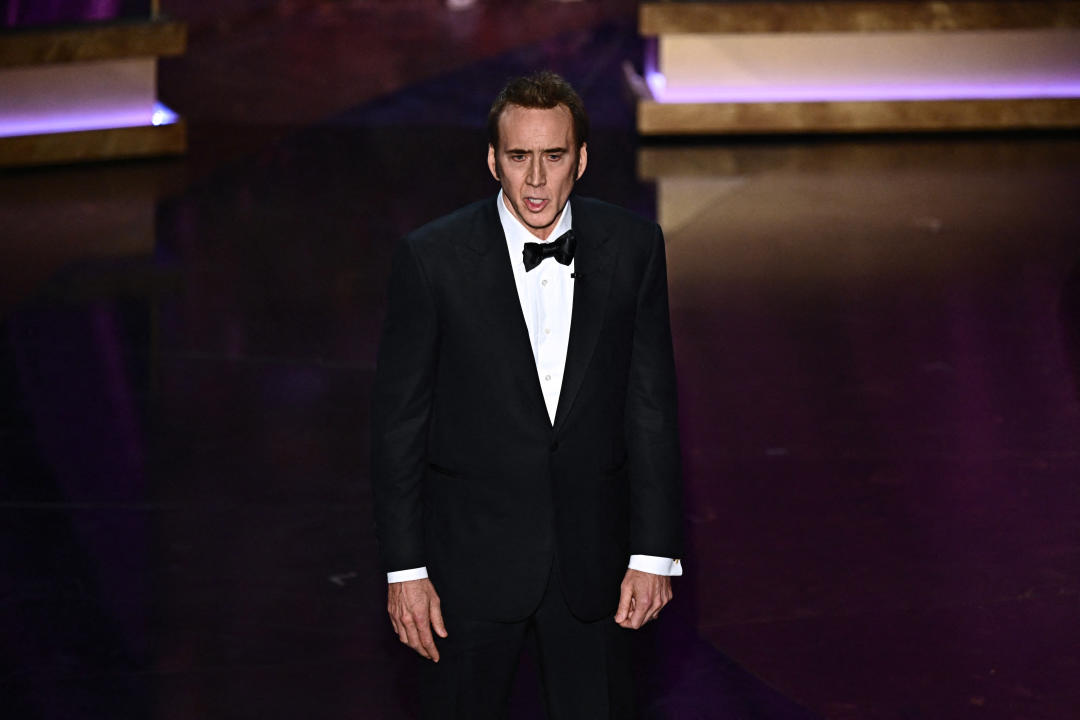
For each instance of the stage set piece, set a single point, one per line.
(84, 92)
(850, 66)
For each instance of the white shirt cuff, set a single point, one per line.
(405, 575)
(656, 565)
(644, 563)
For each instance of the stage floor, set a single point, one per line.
(878, 345)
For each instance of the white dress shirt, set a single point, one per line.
(546, 294)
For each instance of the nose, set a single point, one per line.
(536, 176)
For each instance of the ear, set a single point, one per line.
(493, 166)
(582, 160)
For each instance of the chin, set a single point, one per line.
(544, 224)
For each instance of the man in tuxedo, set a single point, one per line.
(525, 447)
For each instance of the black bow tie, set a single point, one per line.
(562, 249)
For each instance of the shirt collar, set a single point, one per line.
(517, 234)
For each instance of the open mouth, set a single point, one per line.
(535, 204)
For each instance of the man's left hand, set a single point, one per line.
(643, 596)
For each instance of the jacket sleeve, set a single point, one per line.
(652, 434)
(401, 407)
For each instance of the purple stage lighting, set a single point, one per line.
(101, 119)
(1065, 87)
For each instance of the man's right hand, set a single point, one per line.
(415, 609)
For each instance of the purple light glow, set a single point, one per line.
(126, 117)
(22, 13)
(915, 90)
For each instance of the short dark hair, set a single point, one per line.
(543, 89)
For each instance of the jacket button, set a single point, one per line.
(554, 446)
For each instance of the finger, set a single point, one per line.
(437, 620)
(392, 616)
(624, 606)
(414, 636)
(630, 611)
(653, 611)
(660, 600)
(428, 642)
(640, 612)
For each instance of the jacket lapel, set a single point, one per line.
(592, 268)
(491, 280)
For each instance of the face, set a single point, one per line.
(536, 164)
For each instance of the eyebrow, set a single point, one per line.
(521, 151)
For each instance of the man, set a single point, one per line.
(525, 448)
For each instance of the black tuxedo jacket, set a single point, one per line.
(471, 478)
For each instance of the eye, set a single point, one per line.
(555, 157)
(517, 158)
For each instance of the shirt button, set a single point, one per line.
(544, 283)
(547, 377)
(547, 331)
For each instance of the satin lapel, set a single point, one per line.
(491, 282)
(593, 262)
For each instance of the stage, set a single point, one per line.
(877, 342)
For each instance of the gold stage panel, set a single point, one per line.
(86, 93)
(810, 216)
(92, 145)
(837, 67)
(159, 38)
(660, 18)
(656, 118)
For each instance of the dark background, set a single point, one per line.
(876, 341)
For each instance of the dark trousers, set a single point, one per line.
(584, 667)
